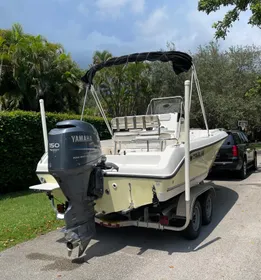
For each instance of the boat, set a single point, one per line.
(144, 164)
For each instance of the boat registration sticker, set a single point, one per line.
(196, 155)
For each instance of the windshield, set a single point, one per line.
(165, 105)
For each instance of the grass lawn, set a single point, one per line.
(257, 145)
(24, 216)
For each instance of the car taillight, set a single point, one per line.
(234, 151)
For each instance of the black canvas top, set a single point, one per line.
(181, 62)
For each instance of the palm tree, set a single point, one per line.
(101, 56)
(31, 67)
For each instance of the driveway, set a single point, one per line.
(229, 248)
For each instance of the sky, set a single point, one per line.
(122, 26)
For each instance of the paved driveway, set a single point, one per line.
(229, 248)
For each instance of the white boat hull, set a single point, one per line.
(141, 174)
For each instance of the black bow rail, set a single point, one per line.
(181, 62)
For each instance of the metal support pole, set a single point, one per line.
(98, 103)
(44, 127)
(187, 141)
(194, 73)
(84, 101)
(187, 157)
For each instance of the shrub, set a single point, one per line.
(21, 145)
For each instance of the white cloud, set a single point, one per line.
(95, 39)
(62, 1)
(110, 4)
(81, 8)
(155, 22)
(187, 28)
(156, 30)
(114, 8)
(73, 29)
(137, 6)
(184, 26)
(241, 33)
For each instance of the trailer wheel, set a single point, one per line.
(207, 208)
(193, 229)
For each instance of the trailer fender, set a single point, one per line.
(195, 192)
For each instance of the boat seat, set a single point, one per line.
(125, 135)
(149, 132)
(162, 136)
(145, 122)
(149, 137)
(164, 133)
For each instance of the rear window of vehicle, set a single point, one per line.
(243, 135)
(237, 138)
(229, 140)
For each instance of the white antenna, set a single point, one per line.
(44, 127)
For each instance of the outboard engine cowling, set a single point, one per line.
(75, 160)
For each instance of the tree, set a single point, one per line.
(222, 27)
(225, 77)
(124, 89)
(32, 68)
(256, 89)
(101, 56)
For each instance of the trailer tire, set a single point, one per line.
(207, 208)
(193, 229)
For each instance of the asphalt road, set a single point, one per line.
(228, 248)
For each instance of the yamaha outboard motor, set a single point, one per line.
(75, 160)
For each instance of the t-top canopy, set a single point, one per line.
(181, 62)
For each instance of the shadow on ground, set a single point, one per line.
(110, 241)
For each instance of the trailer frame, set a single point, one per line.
(175, 210)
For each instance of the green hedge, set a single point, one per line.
(21, 145)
